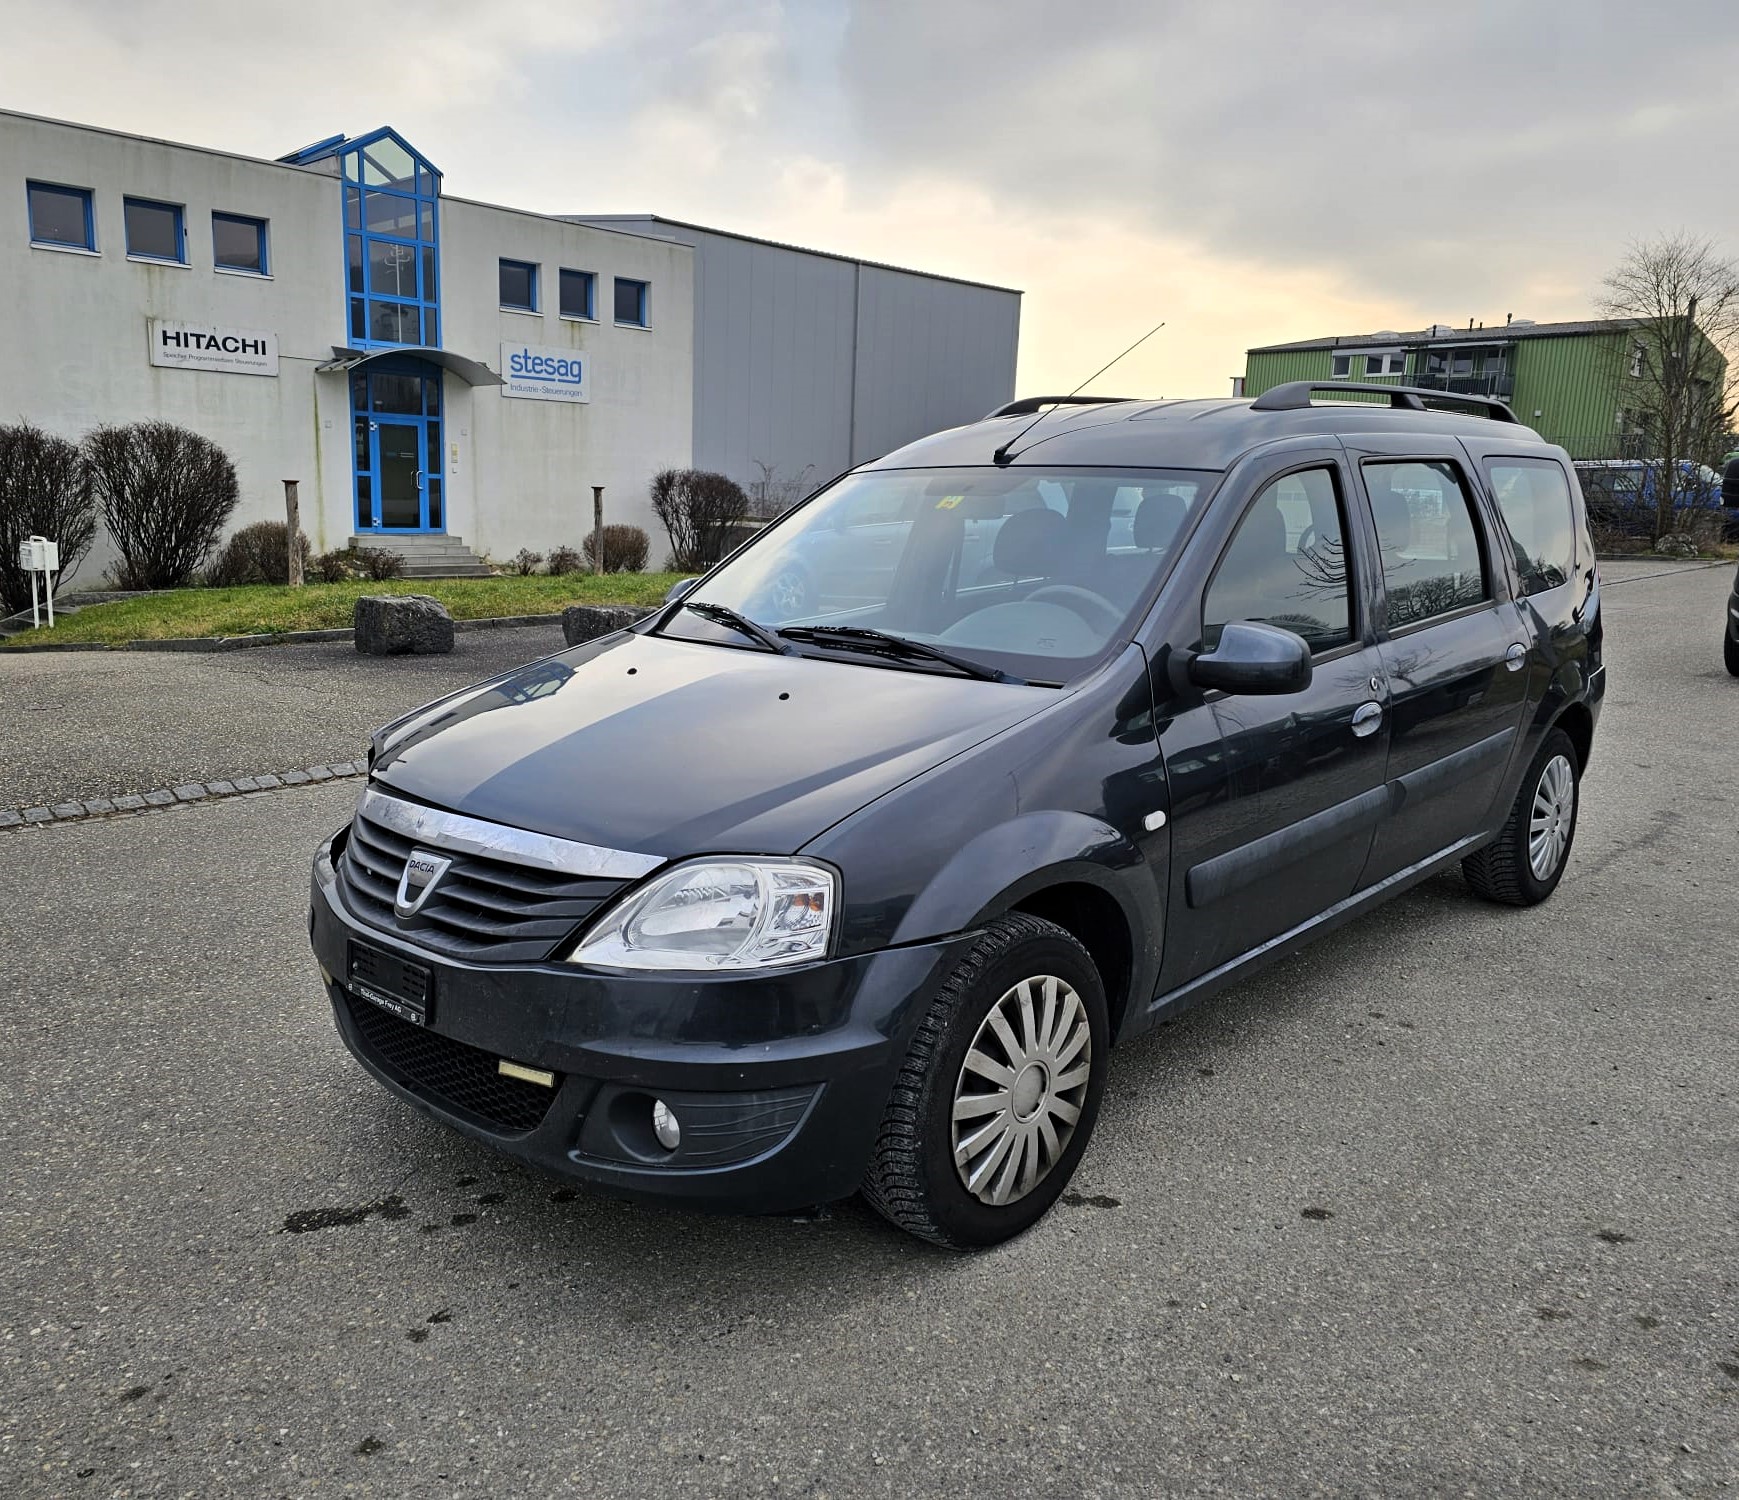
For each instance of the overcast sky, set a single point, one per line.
(1248, 172)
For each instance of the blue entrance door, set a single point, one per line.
(401, 484)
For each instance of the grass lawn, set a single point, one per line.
(329, 606)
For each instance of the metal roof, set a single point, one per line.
(1211, 433)
(1388, 338)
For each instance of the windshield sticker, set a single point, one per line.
(948, 502)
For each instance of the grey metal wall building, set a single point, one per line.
(808, 361)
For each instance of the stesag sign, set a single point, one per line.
(204, 346)
(532, 373)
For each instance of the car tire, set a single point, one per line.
(1524, 863)
(1730, 652)
(790, 592)
(913, 1179)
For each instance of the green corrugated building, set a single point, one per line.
(1565, 379)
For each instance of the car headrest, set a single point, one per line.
(1030, 544)
(1159, 518)
(1394, 516)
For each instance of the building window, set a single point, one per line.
(631, 302)
(1343, 366)
(1384, 364)
(61, 216)
(519, 285)
(392, 242)
(238, 243)
(579, 294)
(154, 230)
(1638, 353)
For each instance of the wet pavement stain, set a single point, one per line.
(460, 1220)
(492, 1198)
(445, 1315)
(1729, 1370)
(1612, 1236)
(1588, 1362)
(134, 1392)
(1550, 1314)
(1318, 1214)
(1644, 1321)
(1092, 1200)
(303, 1221)
(464, 1181)
(563, 1195)
(369, 1445)
(416, 1335)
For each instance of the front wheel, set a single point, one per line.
(996, 1099)
(1524, 863)
(1730, 651)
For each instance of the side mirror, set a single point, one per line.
(1254, 658)
(680, 589)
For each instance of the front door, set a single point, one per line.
(1275, 797)
(398, 468)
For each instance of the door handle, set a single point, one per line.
(1516, 657)
(1367, 718)
(419, 479)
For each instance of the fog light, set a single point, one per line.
(665, 1125)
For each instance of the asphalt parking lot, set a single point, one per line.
(1448, 1204)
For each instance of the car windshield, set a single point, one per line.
(1032, 572)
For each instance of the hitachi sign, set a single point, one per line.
(197, 346)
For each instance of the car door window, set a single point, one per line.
(1287, 565)
(1534, 496)
(1433, 562)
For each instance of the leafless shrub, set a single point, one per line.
(526, 562)
(165, 494)
(257, 554)
(625, 549)
(45, 490)
(379, 565)
(700, 511)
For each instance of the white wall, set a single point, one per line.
(526, 467)
(74, 348)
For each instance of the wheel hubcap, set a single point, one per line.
(1021, 1089)
(1554, 816)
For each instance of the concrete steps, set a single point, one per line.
(429, 556)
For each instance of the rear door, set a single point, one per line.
(1453, 644)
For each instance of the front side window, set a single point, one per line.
(1286, 565)
(154, 230)
(238, 243)
(1433, 563)
(1036, 572)
(631, 302)
(579, 291)
(61, 216)
(1534, 496)
(519, 285)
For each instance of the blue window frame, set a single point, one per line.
(579, 293)
(392, 239)
(631, 302)
(239, 243)
(519, 285)
(61, 216)
(155, 231)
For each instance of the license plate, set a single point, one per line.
(405, 989)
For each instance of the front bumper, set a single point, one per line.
(780, 1079)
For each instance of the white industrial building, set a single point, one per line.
(432, 367)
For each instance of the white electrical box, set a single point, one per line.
(39, 555)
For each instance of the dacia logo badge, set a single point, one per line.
(423, 872)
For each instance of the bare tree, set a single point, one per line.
(1672, 377)
(770, 496)
(701, 512)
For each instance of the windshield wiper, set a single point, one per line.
(862, 638)
(723, 614)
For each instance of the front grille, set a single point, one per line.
(462, 1079)
(482, 908)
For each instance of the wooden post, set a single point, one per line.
(598, 529)
(293, 527)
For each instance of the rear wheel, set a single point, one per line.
(1523, 864)
(996, 1100)
(1730, 651)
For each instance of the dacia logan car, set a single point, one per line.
(768, 899)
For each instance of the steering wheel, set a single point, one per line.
(1095, 609)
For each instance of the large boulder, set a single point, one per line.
(403, 625)
(586, 622)
(1676, 544)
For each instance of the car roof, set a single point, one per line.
(1200, 434)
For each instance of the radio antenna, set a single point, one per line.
(1002, 454)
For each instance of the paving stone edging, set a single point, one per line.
(175, 796)
(272, 638)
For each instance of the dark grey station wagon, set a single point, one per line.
(842, 877)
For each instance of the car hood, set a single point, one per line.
(671, 747)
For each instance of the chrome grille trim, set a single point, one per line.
(519, 846)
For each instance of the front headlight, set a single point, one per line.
(720, 914)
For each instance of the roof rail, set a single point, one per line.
(1027, 405)
(1295, 396)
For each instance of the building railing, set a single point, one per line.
(1498, 383)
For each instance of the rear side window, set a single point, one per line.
(1534, 496)
(1432, 560)
(1286, 565)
